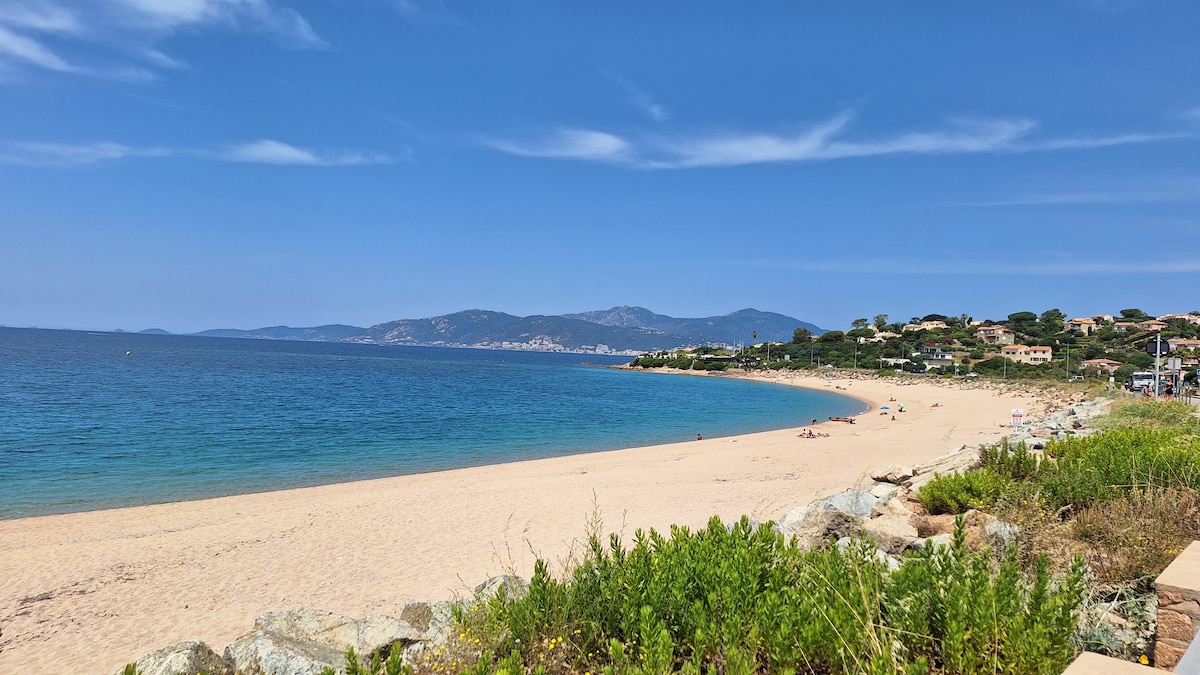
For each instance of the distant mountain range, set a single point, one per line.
(617, 330)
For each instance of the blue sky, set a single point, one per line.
(193, 164)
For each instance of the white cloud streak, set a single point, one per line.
(34, 34)
(273, 152)
(257, 152)
(569, 144)
(26, 50)
(822, 141)
(892, 267)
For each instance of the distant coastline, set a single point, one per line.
(624, 331)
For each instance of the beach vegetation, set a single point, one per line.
(1126, 499)
(745, 599)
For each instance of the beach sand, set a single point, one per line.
(89, 592)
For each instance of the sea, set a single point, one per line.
(100, 420)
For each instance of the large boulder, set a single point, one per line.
(514, 587)
(892, 534)
(306, 641)
(186, 658)
(892, 474)
(814, 527)
(963, 459)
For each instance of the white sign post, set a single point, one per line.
(1018, 417)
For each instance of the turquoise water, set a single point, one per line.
(83, 425)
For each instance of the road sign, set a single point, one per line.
(1157, 348)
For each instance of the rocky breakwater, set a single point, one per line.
(309, 641)
(887, 512)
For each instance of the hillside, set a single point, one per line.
(621, 330)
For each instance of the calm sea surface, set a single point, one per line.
(84, 425)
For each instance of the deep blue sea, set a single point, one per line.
(98, 420)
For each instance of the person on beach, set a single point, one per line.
(699, 437)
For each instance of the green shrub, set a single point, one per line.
(745, 600)
(958, 492)
(1014, 462)
(1114, 463)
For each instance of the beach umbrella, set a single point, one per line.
(885, 408)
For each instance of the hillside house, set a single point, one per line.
(1152, 325)
(926, 325)
(1183, 343)
(1193, 319)
(1025, 354)
(934, 356)
(1083, 326)
(995, 335)
(1124, 326)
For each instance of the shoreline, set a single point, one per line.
(91, 591)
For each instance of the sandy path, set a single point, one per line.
(89, 592)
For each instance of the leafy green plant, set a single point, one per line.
(742, 599)
(959, 492)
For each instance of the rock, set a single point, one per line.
(895, 507)
(939, 540)
(815, 527)
(892, 474)
(892, 534)
(514, 587)
(892, 564)
(306, 641)
(185, 658)
(962, 460)
(930, 526)
(883, 491)
(1001, 534)
(856, 503)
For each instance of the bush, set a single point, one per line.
(743, 599)
(958, 492)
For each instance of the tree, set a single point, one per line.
(802, 336)
(859, 323)
(1134, 314)
(833, 336)
(933, 317)
(881, 320)
(1024, 322)
(1051, 321)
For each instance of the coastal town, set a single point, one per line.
(1130, 349)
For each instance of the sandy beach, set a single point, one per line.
(89, 592)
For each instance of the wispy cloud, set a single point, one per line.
(257, 152)
(103, 35)
(569, 144)
(893, 267)
(273, 152)
(822, 141)
(640, 99)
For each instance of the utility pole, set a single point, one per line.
(1157, 362)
